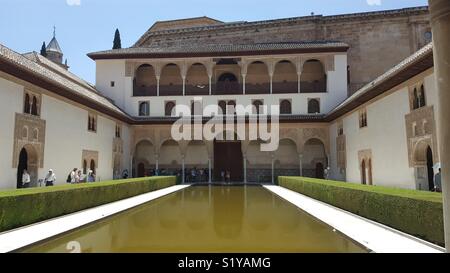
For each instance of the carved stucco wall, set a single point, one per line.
(29, 131)
(160, 135)
(88, 156)
(421, 134)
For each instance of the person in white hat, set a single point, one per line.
(50, 178)
(91, 176)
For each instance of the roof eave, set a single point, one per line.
(25, 75)
(414, 68)
(108, 56)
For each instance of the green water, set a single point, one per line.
(207, 219)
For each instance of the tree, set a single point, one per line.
(117, 43)
(44, 50)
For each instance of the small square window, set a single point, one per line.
(113, 83)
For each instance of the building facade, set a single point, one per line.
(320, 76)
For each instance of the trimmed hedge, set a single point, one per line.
(418, 213)
(27, 206)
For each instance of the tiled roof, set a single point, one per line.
(34, 56)
(410, 61)
(54, 46)
(21, 62)
(221, 48)
(263, 23)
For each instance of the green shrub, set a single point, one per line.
(418, 213)
(27, 206)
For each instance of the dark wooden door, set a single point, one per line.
(228, 157)
(141, 170)
(319, 171)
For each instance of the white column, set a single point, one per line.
(271, 83)
(300, 159)
(184, 85)
(440, 24)
(243, 83)
(299, 79)
(157, 85)
(210, 87)
(157, 161)
(130, 172)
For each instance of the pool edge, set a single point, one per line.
(19, 238)
(372, 235)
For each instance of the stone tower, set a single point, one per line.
(54, 52)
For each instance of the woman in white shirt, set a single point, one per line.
(26, 179)
(50, 178)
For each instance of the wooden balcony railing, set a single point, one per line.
(144, 91)
(231, 88)
(227, 88)
(313, 87)
(171, 90)
(284, 87)
(197, 90)
(263, 88)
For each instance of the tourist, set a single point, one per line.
(80, 177)
(26, 179)
(194, 174)
(125, 174)
(90, 176)
(73, 175)
(201, 174)
(116, 175)
(437, 181)
(77, 176)
(50, 178)
(228, 176)
(222, 175)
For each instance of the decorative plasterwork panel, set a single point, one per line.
(29, 131)
(365, 155)
(88, 156)
(421, 134)
(341, 151)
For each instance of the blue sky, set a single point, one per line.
(84, 26)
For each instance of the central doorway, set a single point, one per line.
(228, 157)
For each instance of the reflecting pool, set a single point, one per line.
(206, 219)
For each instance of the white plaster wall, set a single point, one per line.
(126, 156)
(337, 84)
(11, 101)
(111, 70)
(431, 96)
(386, 137)
(122, 93)
(67, 136)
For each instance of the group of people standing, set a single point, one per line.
(50, 178)
(77, 176)
(197, 175)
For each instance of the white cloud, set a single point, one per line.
(77, 2)
(369, 2)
